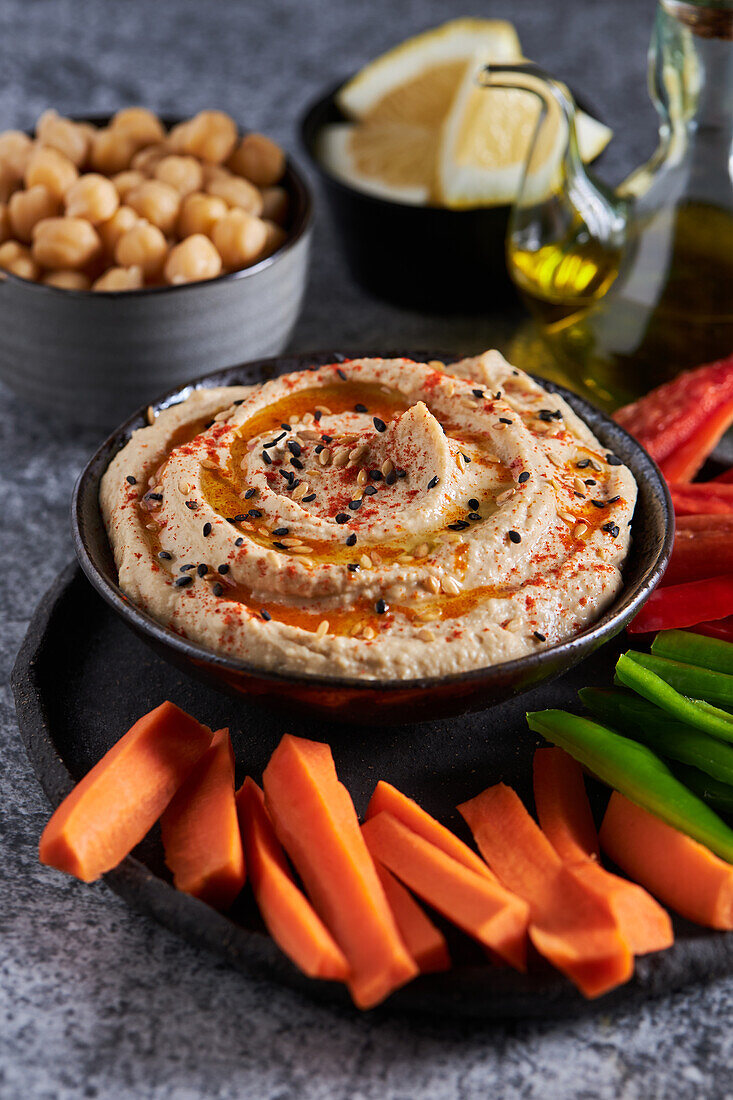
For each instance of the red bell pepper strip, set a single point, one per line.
(725, 478)
(708, 498)
(682, 605)
(684, 462)
(720, 628)
(703, 547)
(672, 414)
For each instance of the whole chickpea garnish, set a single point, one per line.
(51, 169)
(120, 278)
(236, 192)
(125, 181)
(146, 159)
(65, 243)
(110, 231)
(26, 208)
(63, 135)
(239, 238)
(183, 174)
(143, 246)
(275, 204)
(259, 159)
(112, 151)
(93, 197)
(276, 237)
(209, 135)
(5, 231)
(199, 214)
(15, 150)
(15, 257)
(67, 280)
(139, 124)
(157, 202)
(192, 260)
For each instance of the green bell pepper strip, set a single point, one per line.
(637, 773)
(695, 649)
(641, 680)
(719, 796)
(632, 715)
(689, 680)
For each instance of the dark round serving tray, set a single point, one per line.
(82, 678)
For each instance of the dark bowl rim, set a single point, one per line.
(609, 624)
(303, 194)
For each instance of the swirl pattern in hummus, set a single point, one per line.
(373, 518)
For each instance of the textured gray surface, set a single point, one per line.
(94, 1000)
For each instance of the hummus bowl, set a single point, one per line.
(270, 619)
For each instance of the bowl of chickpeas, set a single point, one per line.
(136, 252)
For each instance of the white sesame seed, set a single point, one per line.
(567, 516)
(580, 529)
(184, 487)
(324, 457)
(341, 457)
(369, 633)
(450, 586)
(432, 584)
(361, 477)
(365, 561)
(436, 364)
(150, 415)
(422, 550)
(387, 467)
(506, 495)
(426, 635)
(322, 629)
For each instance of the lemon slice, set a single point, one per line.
(400, 101)
(486, 138)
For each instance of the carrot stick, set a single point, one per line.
(288, 915)
(680, 871)
(387, 799)
(479, 906)
(565, 817)
(423, 940)
(686, 459)
(124, 794)
(201, 840)
(569, 924)
(316, 823)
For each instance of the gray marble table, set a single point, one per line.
(96, 1001)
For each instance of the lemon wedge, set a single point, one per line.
(400, 101)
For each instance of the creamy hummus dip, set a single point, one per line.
(374, 518)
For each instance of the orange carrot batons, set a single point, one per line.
(565, 816)
(124, 794)
(387, 799)
(423, 940)
(200, 830)
(316, 823)
(481, 907)
(569, 924)
(678, 870)
(288, 915)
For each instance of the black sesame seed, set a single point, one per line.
(182, 582)
(590, 481)
(540, 637)
(265, 615)
(131, 480)
(459, 525)
(613, 460)
(504, 420)
(400, 472)
(202, 570)
(375, 475)
(279, 546)
(254, 513)
(286, 427)
(266, 459)
(192, 504)
(217, 589)
(239, 541)
(319, 447)
(164, 555)
(380, 607)
(354, 505)
(239, 401)
(369, 491)
(465, 457)
(294, 448)
(351, 540)
(616, 531)
(223, 569)
(153, 496)
(287, 474)
(598, 503)
(474, 516)
(497, 395)
(342, 517)
(206, 529)
(352, 567)
(274, 442)
(294, 484)
(317, 415)
(477, 393)
(327, 438)
(433, 482)
(524, 476)
(379, 424)
(614, 500)
(577, 493)
(249, 494)
(280, 532)
(341, 374)
(239, 518)
(309, 498)
(186, 568)
(608, 526)
(391, 477)
(360, 408)
(473, 504)
(297, 463)
(583, 464)
(514, 536)
(545, 414)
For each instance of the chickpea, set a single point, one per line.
(92, 197)
(110, 231)
(199, 214)
(120, 278)
(5, 232)
(192, 260)
(65, 243)
(15, 150)
(239, 238)
(67, 280)
(125, 181)
(259, 159)
(9, 182)
(51, 169)
(16, 258)
(158, 202)
(64, 135)
(112, 151)
(276, 237)
(237, 192)
(181, 173)
(275, 204)
(209, 135)
(26, 208)
(146, 159)
(139, 124)
(214, 172)
(142, 246)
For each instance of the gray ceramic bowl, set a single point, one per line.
(93, 358)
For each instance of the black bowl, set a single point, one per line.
(388, 701)
(421, 257)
